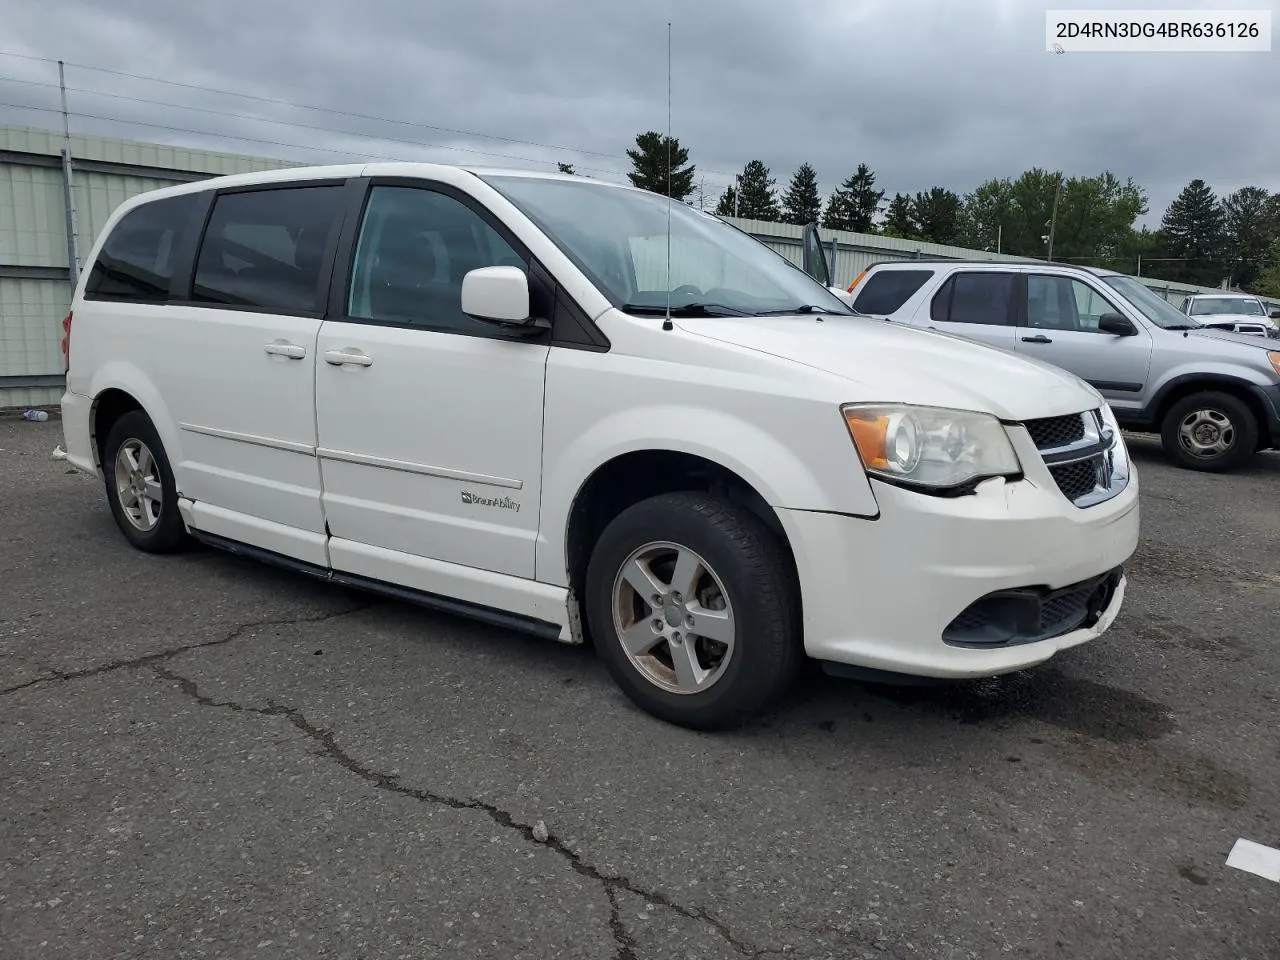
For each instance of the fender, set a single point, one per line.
(124, 375)
(1228, 376)
(771, 461)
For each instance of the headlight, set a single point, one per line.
(1274, 357)
(929, 446)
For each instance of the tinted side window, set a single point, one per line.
(1064, 303)
(265, 249)
(975, 298)
(888, 290)
(136, 262)
(415, 247)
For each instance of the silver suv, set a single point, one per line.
(1212, 395)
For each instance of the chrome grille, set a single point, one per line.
(1056, 431)
(1080, 452)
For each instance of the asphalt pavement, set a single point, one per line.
(204, 757)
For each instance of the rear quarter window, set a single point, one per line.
(136, 260)
(888, 290)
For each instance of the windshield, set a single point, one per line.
(1157, 310)
(618, 238)
(1234, 305)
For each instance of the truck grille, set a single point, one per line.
(1079, 451)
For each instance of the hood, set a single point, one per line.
(1230, 336)
(888, 362)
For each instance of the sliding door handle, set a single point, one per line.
(279, 348)
(1039, 338)
(354, 357)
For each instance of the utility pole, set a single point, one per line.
(68, 194)
(1053, 218)
(737, 192)
(999, 235)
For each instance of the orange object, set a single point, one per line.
(869, 436)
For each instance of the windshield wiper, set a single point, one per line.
(684, 310)
(804, 308)
(1186, 326)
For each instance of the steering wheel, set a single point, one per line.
(686, 288)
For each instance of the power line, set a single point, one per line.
(346, 113)
(305, 106)
(292, 123)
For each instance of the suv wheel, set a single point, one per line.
(692, 607)
(1209, 431)
(140, 485)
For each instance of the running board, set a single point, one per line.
(461, 608)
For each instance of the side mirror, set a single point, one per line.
(844, 296)
(1275, 314)
(814, 256)
(498, 295)
(1117, 325)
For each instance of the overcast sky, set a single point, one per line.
(927, 92)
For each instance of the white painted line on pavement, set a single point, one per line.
(1255, 858)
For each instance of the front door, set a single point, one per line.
(430, 423)
(976, 304)
(1059, 325)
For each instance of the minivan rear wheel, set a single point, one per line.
(1210, 431)
(692, 607)
(140, 485)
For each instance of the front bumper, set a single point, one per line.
(880, 594)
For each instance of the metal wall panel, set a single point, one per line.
(32, 222)
(31, 313)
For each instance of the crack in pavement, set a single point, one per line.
(329, 748)
(162, 655)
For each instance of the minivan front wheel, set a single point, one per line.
(692, 608)
(140, 485)
(1209, 431)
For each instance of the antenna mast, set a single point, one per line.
(666, 323)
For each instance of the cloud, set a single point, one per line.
(926, 92)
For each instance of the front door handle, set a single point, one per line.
(340, 357)
(279, 348)
(1038, 338)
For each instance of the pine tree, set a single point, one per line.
(649, 161)
(898, 218)
(801, 204)
(1267, 283)
(855, 203)
(1249, 232)
(1195, 234)
(757, 199)
(725, 207)
(937, 215)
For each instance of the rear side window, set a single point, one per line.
(266, 249)
(888, 290)
(975, 298)
(136, 262)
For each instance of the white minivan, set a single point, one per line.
(578, 409)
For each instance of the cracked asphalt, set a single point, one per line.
(204, 757)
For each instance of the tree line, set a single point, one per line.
(1086, 220)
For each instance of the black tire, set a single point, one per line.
(755, 573)
(1228, 413)
(168, 534)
